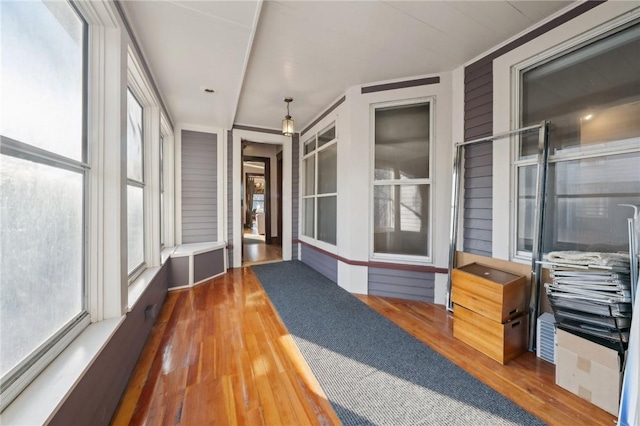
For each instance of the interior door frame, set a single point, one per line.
(271, 137)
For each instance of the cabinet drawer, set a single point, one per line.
(502, 342)
(493, 293)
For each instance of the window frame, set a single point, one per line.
(142, 184)
(393, 257)
(314, 153)
(22, 374)
(517, 87)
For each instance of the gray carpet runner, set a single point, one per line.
(372, 371)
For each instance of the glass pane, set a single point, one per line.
(401, 219)
(591, 95)
(308, 217)
(402, 142)
(327, 219)
(327, 136)
(328, 170)
(583, 212)
(41, 254)
(309, 176)
(309, 145)
(162, 215)
(41, 75)
(135, 227)
(526, 207)
(134, 138)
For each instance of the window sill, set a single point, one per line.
(39, 402)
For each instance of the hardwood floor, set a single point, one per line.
(255, 253)
(219, 354)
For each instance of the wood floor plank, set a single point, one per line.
(219, 354)
(527, 380)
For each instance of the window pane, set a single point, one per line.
(402, 142)
(526, 206)
(309, 145)
(328, 170)
(327, 136)
(327, 219)
(591, 95)
(41, 254)
(309, 176)
(401, 219)
(135, 227)
(583, 212)
(42, 76)
(308, 218)
(134, 138)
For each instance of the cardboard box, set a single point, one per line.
(589, 370)
(490, 292)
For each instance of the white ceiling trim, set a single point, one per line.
(247, 55)
(525, 31)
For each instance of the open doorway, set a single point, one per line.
(261, 239)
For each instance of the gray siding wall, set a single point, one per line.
(295, 193)
(478, 159)
(96, 396)
(178, 271)
(478, 196)
(325, 264)
(199, 187)
(412, 285)
(208, 264)
(230, 195)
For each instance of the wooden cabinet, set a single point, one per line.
(500, 341)
(489, 310)
(493, 293)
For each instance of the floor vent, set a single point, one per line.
(546, 337)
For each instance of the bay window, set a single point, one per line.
(320, 186)
(402, 180)
(591, 97)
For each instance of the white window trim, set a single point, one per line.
(506, 94)
(315, 153)
(169, 183)
(403, 258)
(139, 85)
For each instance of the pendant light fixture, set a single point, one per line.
(288, 128)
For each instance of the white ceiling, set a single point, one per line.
(254, 53)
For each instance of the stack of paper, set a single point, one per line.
(591, 293)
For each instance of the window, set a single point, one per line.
(162, 208)
(320, 187)
(135, 186)
(591, 96)
(402, 179)
(43, 181)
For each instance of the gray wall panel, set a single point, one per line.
(199, 187)
(412, 285)
(321, 262)
(95, 398)
(478, 210)
(178, 271)
(208, 264)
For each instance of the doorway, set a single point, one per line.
(260, 238)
